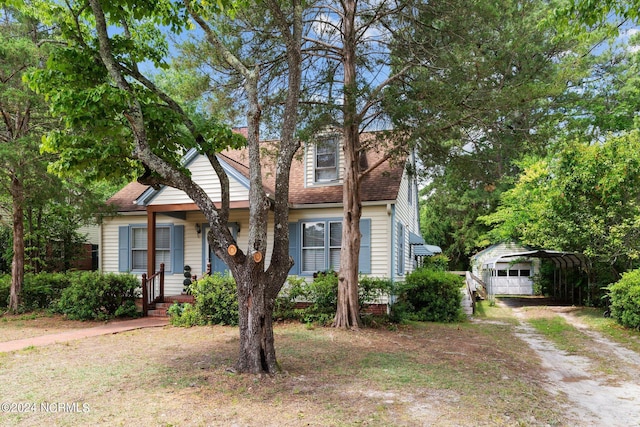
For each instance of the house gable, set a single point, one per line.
(203, 175)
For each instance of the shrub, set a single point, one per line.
(625, 300)
(322, 296)
(5, 289)
(39, 291)
(216, 299)
(216, 302)
(285, 306)
(372, 288)
(43, 290)
(185, 315)
(439, 262)
(429, 295)
(92, 295)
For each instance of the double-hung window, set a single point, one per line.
(321, 242)
(163, 248)
(326, 160)
(139, 248)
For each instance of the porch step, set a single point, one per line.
(160, 309)
(157, 313)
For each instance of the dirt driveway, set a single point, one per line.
(603, 384)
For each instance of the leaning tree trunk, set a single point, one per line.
(17, 264)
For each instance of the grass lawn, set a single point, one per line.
(475, 373)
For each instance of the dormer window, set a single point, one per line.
(326, 167)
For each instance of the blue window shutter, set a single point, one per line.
(124, 248)
(294, 245)
(400, 249)
(177, 251)
(365, 246)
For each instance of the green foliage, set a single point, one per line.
(319, 297)
(39, 291)
(216, 302)
(583, 198)
(185, 315)
(93, 295)
(216, 299)
(79, 295)
(43, 290)
(428, 295)
(625, 300)
(6, 249)
(438, 262)
(5, 289)
(96, 138)
(322, 294)
(471, 122)
(285, 306)
(371, 289)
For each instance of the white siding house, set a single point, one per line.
(389, 218)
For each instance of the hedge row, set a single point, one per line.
(78, 295)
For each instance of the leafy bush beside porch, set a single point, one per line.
(216, 302)
(96, 296)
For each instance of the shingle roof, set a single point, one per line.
(125, 198)
(381, 184)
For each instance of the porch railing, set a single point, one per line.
(152, 289)
(475, 288)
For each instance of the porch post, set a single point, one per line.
(151, 242)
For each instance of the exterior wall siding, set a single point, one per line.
(406, 213)
(204, 176)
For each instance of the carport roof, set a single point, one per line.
(560, 259)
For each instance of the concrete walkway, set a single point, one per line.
(76, 334)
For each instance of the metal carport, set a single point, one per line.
(563, 262)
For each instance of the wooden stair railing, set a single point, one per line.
(482, 289)
(152, 289)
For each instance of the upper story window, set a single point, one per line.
(326, 159)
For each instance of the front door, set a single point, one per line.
(217, 265)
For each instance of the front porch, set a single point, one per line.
(154, 303)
